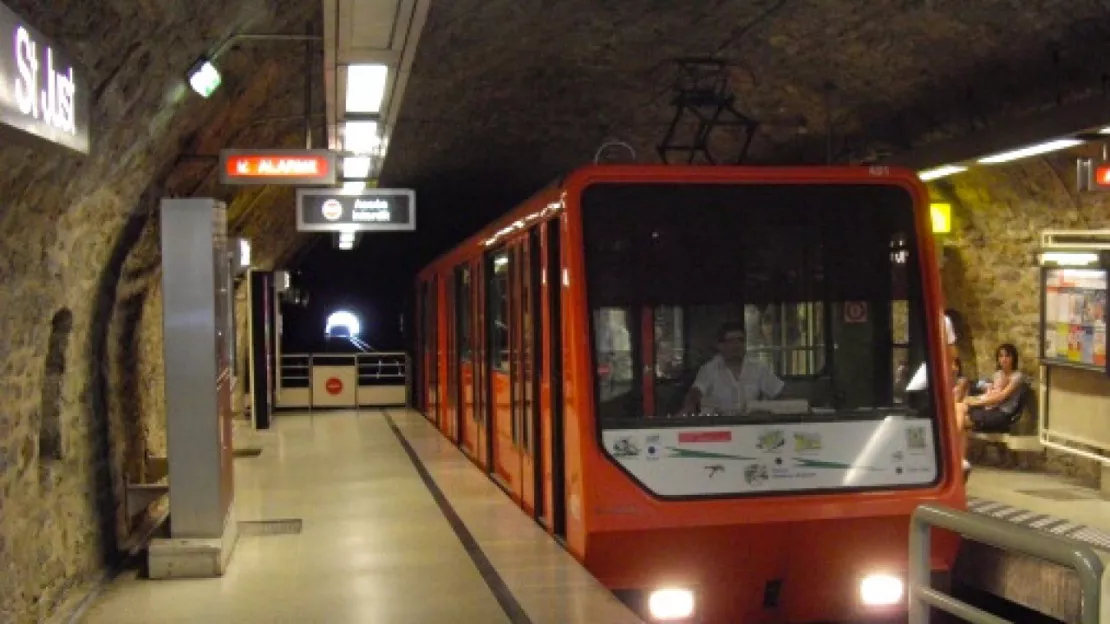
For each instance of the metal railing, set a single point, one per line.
(375, 378)
(1000, 534)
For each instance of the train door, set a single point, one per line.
(524, 369)
(500, 303)
(483, 367)
(450, 408)
(551, 508)
(432, 319)
(465, 424)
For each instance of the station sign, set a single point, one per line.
(369, 210)
(278, 166)
(43, 95)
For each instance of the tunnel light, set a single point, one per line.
(940, 172)
(365, 88)
(204, 78)
(346, 245)
(1105, 130)
(343, 318)
(361, 136)
(354, 186)
(1031, 150)
(356, 167)
(346, 237)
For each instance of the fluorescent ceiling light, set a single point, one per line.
(354, 186)
(940, 172)
(1065, 258)
(1105, 130)
(361, 137)
(346, 237)
(1032, 150)
(365, 88)
(204, 78)
(356, 167)
(346, 245)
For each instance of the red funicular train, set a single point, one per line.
(694, 378)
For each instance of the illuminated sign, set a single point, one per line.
(1092, 175)
(941, 217)
(42, 95)
(369, 210)
(1101, 177)
(292, 167)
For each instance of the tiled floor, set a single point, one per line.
(374, 545)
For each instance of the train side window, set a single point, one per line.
(499, 309)
(615, 335)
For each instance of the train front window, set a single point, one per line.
(758, 337)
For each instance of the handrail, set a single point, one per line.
(1001, 534)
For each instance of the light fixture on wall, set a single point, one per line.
(203, 77)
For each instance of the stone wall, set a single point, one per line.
(80, 301)
(989, 270)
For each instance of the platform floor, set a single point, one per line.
(373, 545)
(1046, 502)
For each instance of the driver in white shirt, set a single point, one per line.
(729, 381)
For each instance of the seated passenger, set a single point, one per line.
(726, 383)
(960, 385)
(997, 405)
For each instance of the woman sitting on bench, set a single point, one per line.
(995, 407)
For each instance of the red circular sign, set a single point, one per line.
(331, 209)
(333, 385)
(855, 312)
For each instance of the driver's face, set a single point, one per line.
(733, 345)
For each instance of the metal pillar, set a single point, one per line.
(196, 326)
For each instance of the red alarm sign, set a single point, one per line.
(333, 385)
(277, 167)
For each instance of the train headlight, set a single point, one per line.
(880, 590)
(671, 604)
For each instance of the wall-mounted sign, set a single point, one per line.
(940, 215)
(369, 210)
(42, 95)
(278, 166)
(1092, 175)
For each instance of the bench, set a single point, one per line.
(1016, 439)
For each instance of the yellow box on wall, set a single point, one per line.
(941, 217)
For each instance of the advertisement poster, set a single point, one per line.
(743, 459)
(1075, 316)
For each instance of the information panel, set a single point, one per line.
(1075, 316)
(370, 210)
(42, 95)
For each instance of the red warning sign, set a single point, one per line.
(333, 385)
(855, 311)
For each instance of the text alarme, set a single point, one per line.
(42, 90)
